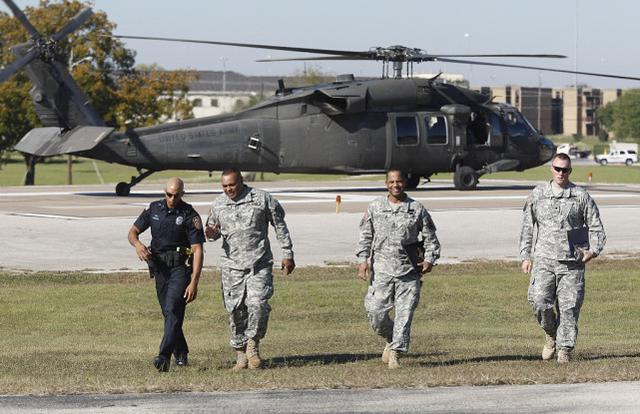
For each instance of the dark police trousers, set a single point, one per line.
(171, 283)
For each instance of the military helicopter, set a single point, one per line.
(421, 126)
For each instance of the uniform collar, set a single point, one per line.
(566, 193)
(404, 204)
(164, 206)
(245, 196)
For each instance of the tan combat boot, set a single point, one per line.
(549, 347)
(385, 353)
(564, 355)
(241, 360)
(253, 354)
(393, 359)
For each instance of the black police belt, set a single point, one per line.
(173, 258)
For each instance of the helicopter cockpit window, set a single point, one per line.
(406, 130)
(496, 129)
(517, 126)
(436, 128)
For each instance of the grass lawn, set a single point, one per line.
(77, 333)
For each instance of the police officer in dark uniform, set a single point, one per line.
(175, 260)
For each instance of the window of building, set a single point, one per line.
(214, 103)
(197, 103)
(436, 128)
(406, 130)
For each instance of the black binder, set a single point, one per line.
(578, 241)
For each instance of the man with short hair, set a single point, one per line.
(569, 234)
(175, 261)
(398, 238)
(241, 216)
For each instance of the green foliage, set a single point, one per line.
(118, 92)
(623, 115)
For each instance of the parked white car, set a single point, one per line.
(621, 156)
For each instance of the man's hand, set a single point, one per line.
(425, 267)
(288, 265)
(191, 292)
(143, 252)
(526, 266)
(363, 271)
(587, 255)
(212, 232)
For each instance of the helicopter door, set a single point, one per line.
(403, 142)
(438, 146)
(496, 137)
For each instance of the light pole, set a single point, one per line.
(224, 73)
(71, 64)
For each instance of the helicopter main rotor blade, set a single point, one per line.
(77, 21)
(22, 18)
(505, 65)
(312, 58)
(504, 55)
(17, 64)
(251, 45)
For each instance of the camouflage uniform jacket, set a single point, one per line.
(387, 229)
(555, 216)
(244, 227)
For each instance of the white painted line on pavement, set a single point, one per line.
(53, 216)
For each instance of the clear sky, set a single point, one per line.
(606, 32)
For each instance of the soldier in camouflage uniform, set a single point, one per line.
(242, 216)
(398, 238)
(570, 234)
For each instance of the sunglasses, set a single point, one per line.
(562, 170)
(172, 195)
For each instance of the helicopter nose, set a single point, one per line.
(547, 149)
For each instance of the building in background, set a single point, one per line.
(579, 106)
(218, 92)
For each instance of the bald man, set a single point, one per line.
(175, 261)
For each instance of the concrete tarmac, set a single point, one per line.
(85, 227)
(621, 398)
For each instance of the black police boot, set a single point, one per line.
(161, 363)
(182, 360)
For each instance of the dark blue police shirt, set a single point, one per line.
(171, 228)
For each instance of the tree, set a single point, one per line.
(626, 115)
(122, 95)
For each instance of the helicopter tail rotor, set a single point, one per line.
(59, 100)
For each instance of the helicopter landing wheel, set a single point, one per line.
(465, 178)
(123, 189)
(413, 181)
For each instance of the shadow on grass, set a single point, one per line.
(327, 359)
(504, 358)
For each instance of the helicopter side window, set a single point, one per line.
(517, 127)
(436, 129)
(406, 130)
(477, 132)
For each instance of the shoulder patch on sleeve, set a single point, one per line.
(197, 223)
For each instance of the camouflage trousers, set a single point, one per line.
(385, 293)
(246, 293)
(556, 292)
